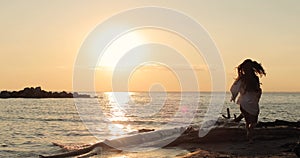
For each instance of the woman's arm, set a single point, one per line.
(235, 88)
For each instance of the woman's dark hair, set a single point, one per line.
(247, 72)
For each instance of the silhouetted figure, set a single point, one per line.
(247, 85)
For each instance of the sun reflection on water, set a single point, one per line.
(117, 114)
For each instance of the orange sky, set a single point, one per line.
(40, 40)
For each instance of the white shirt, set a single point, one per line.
(247, 100)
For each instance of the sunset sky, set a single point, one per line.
(40, 39)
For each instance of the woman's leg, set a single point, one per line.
(250, 124)
(251, 131)
(247, 126)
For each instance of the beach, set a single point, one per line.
(226, 140)
(31, 126)
(149, 79)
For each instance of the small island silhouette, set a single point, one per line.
(37, 92)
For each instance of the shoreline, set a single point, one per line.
(227, 140)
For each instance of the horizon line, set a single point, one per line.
(143, 91)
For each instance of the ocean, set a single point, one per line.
(29, 126)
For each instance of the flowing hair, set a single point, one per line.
(247, 73)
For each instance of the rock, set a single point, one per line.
(5, 94)
(37, 92)
(145, 130)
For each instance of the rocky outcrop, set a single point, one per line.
(37, 92)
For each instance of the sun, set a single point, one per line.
(119, 47)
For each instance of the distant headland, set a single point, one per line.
(37, 92)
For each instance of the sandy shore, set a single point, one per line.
(223, 141)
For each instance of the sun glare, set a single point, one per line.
(120, 56)
(128, 41)
(120, 47)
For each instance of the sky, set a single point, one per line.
(40, 41)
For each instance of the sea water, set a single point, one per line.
(29, 126)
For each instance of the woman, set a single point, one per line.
(247, 85)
